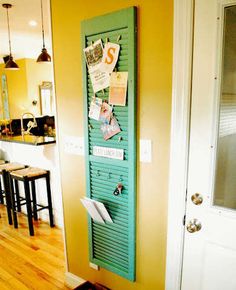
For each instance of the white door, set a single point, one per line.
(209, 259)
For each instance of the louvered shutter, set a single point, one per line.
(112, 246)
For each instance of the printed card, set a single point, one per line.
(110, 56)
(95, 108)
(111, 129)
(94, 54)
(106, 112)
(100, 79)
(118, 88)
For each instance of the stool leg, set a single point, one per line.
(1, 193)
(17, 196)
(34, 200)
(13, 202)
(7, 195)
(49, 200)
(28, 206)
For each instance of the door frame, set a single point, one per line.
(180, 127)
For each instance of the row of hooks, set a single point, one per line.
(98, 173)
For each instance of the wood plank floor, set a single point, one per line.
(30, 262)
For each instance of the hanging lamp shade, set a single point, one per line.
(44, 56)
(10, 64)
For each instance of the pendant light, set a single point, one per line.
(44, 56)
(10, 64)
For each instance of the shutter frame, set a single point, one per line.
(95, 28)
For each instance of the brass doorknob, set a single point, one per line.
(193, 226)
(197, 198)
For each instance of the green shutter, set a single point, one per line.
(112, 246)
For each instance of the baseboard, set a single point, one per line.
(72, 281)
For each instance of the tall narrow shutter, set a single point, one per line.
(112, 246)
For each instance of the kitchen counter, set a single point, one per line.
(17, 149)
(29, 139)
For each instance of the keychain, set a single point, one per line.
(118, 189)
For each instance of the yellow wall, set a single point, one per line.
(155, 20)
(23, 85)
(36, 74)
(17, 88)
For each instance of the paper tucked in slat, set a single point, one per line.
(92, 210)
(97, 210)
(103, 211)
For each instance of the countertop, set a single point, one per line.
(29, 139)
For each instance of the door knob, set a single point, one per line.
(197, 198)
(194, 226)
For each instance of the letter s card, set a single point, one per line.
(110, 57)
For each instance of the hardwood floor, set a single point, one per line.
(30, 262)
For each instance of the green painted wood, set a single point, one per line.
(112, 246)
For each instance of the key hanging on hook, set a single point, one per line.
(118, 189)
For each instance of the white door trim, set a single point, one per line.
(181, 96)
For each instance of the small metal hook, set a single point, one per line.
(98, 173)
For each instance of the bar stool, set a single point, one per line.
(2, 192)
(5, 169)
(29, 175)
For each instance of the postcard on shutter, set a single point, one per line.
(92, 210)
(110, 56)
(107, 152)
(100, 79)
(118, 88)
(95, 108)
(109, 130)
(94, 54)
(106, 112)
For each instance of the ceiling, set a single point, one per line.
(26, 40)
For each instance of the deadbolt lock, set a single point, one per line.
(194, 226)
(197, 198)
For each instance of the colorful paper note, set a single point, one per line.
(111, 129)
(118, 88)
(95, 108)
(94, 54)
(110, 56)
(106, 112)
